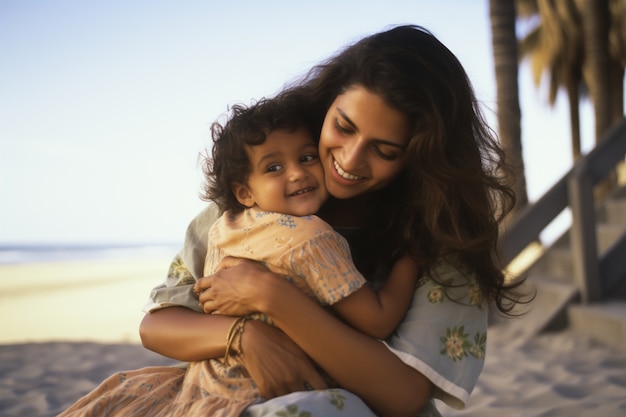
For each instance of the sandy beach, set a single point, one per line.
(66, 326)
(553, 374)
(97, 301)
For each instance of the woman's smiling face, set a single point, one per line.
(362, 143)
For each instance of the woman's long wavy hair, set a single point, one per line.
(452, 195)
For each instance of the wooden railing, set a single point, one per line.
(593, 275)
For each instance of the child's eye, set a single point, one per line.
(309, 158)
(274, 168)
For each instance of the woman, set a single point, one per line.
(412, 169)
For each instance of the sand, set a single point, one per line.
(64, 327)
(98, 301)
(43, 379)
(553, 374)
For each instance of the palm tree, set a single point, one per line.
(605, 41)
(596, 28)
(617, 56)
(556, 46)
(504, 42)
(605, 49)
(581, 44)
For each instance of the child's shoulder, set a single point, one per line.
(311, 222)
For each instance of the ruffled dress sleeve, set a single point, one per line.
(323, 261)
(444, 334)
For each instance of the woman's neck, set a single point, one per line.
(353, 212)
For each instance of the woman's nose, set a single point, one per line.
(351, 155)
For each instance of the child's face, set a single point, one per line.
(286, 175)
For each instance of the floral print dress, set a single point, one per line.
(443, 336)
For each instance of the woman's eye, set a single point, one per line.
(341, 128)
(387, 156)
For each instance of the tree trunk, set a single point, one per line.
(596, 20)
(574, 117)
(504, 42)
(617, 92)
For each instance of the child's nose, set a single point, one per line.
(297, 173)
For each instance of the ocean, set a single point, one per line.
(35, 253)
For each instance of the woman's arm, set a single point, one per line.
(183, 334)
(274, 362)
(357, 362)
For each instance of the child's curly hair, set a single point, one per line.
(248, 126)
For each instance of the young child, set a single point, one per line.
(267, 179)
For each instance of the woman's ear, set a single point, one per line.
(243, 195)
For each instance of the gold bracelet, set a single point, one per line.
(235, 330)
(240, 333)
(229, 338)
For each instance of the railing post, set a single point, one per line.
(583, 235)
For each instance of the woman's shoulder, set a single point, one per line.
(452, 279)
(205, 218)
(444, 332)
(451, 269)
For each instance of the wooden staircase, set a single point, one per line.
(580, 280)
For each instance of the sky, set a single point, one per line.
(106, 106)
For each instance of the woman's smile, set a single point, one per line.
(362, 143)
(343, 174)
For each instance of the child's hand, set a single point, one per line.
(230, 261)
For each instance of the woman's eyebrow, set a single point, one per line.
(346, 118)
(379, 140)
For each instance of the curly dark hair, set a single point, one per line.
(452, 195)
(247, 126)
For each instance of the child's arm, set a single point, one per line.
(378, 313)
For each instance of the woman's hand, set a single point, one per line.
(275, 363)
(234, 289)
